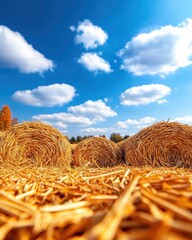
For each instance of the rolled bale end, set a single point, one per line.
(35, 143)
(165, 144)
(96, 152)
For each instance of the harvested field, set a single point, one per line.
(106, 203)
(1, 133)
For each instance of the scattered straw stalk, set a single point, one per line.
(35, 143)
(97, 152)
(162, 144)
(101, 203)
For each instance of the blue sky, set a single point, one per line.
(96, 67)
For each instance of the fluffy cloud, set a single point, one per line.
(160, 51)
(94, 63)
(185, 119)
(82, 115)
(85, 114)
(143, 122)
(15, 52)
(120, 124)
(91, 36)
(145, 94)
(59, 125)
(97, 110)
(95, 130)
(46, 96)
(64, 119)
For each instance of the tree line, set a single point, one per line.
(115, 137)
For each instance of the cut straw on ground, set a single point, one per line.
(95, 203)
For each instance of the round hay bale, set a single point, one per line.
(35, 143)
(165, 144)
(96, 152)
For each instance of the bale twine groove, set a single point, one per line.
(96, 152)
(35, 143)
(165, 144)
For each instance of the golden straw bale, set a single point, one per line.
(96, 152)
(162, 144)
(35, 143)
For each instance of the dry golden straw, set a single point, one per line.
(96, 152)
(35, 143)
(98, 203)
(1, 133)
(162, 144)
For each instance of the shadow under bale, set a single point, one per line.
(96, 152)
(165, 144)
(36, 144)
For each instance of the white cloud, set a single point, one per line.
(142, 122)
(16, 53)
(185, 119)
(95, 130)
(59, 125)
(120, 124)
(161, 51)
(64, 118)
(91, 36)
(144, 94)
(161, 101)
(97, 110)
(94, 63)
(46, 96)
(140, 127)
(83, 115)
(145, 120)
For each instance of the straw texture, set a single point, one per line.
(162, 144)
(1, 133)
(96, 152)
(34, 143)
(101, 203)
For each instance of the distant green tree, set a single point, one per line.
(89, 136)
(72, 140)
(125, 137)
(116, 137)
(103, 136)
(79, 138)
(85, 137)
